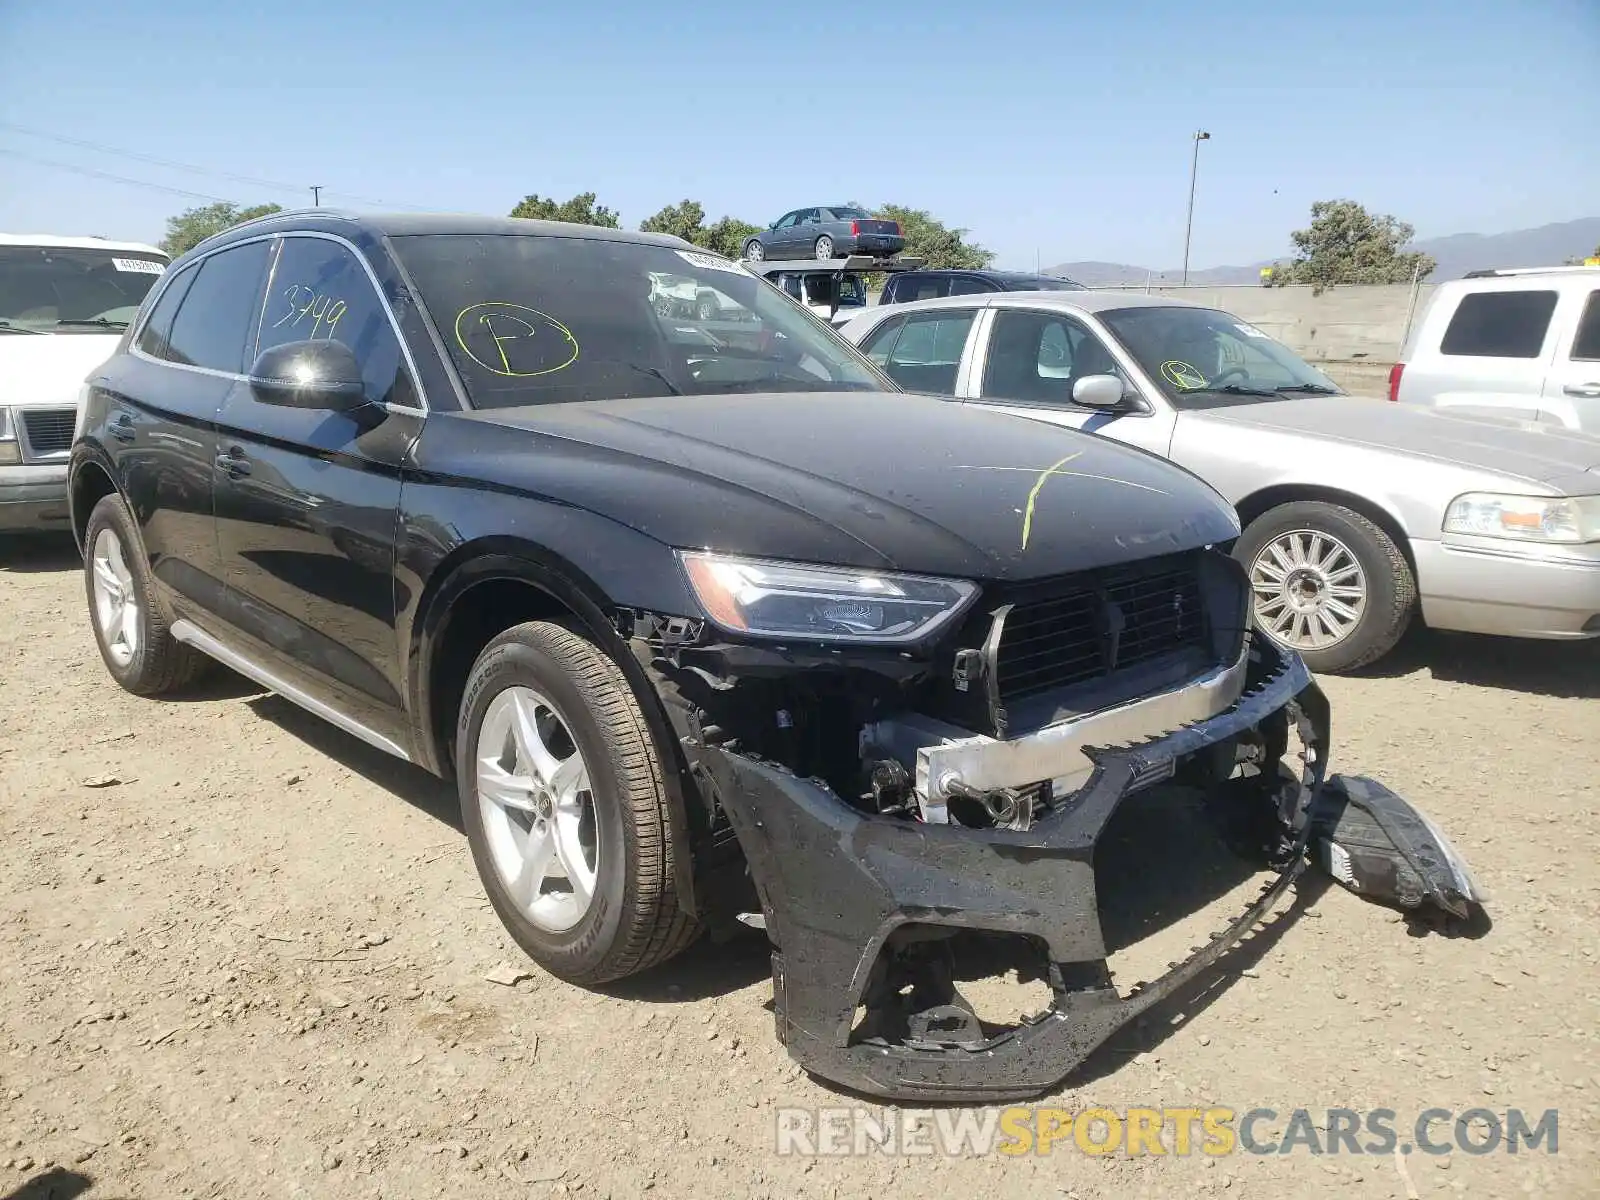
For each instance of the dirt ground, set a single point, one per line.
(242, 955)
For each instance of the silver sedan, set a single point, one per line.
(1357, 513)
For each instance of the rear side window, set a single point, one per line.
(966, 285)
(153, 338)
(1499, 325)
(217, 320)
(1586, 343)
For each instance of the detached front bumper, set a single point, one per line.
(836, 883)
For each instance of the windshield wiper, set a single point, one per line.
(1311, 389)
(8, 327)
(650, 371)
(1231, 389)
(96, 323)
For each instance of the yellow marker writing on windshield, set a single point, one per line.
(525, 342)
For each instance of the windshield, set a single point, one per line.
(535, 319)
(59, 289)
(1203, 356)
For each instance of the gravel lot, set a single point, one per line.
(242, 955)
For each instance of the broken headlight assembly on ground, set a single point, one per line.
(892, 801)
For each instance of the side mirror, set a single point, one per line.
(1099, 391)
(322, 375)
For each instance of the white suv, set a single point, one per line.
(64, 303)
(1522, 343)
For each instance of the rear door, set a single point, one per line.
(1030, 361)
(923, 351)
(1572, 388)
(1492, 353)
(307, 499)
(161, 428)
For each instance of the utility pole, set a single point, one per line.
(316, 196)
(1188, 225)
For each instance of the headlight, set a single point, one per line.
(1565, 519)
(10, 451)
(836, 604)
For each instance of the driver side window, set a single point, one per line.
(1035, 358)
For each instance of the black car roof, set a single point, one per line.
(401, 224)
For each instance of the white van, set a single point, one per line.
(64, 303)
(1519, 343)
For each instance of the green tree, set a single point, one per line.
(580, 210)
(194, 225)
(1346, 244)
(929, 238)
(687, 218)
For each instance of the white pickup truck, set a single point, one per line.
(64, 303)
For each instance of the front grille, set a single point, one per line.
(49, 430)
(1095, 627)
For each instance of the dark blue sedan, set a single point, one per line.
(834, 231)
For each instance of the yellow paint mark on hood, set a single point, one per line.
(1033, 493)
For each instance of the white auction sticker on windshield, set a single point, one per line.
(1250, 330)
(711, 262)
(143, 266)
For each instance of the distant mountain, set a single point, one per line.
(1545, 246)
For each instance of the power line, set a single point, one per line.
(156, 187)
(171, 164)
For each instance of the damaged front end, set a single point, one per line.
(889, 806)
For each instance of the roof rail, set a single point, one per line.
(1496, 272)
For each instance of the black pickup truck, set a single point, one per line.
(698, 621)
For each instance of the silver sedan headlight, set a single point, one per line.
(835, 604)
(1566, 520)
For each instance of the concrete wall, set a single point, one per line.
(1353, 334)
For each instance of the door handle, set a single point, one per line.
(233, 463)
(1589, 391)
(121, 427)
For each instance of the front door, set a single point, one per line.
(1032, 360)
(307, 500)
(1572, 388)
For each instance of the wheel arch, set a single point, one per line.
(485, 587)
(1261, 502)
(90, 482)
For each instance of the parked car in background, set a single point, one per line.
(836, 290)
(930, 285)
(833, 231)
(1356, 513)
(64, 302)
(1521, 343)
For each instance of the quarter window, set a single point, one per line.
(154, 338)
(1499, 325)
(216, 321)
(881, 341)
(1586, 343)
(321, 292)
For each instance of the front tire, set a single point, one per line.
(129, 627)
(824, 248)
(1328, 583)
(565, 808)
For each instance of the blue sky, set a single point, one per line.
(1054, 129)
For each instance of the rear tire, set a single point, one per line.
(754, 251)
(1328, 583)
(130, 629)
(565, 808)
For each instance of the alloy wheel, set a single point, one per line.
(116, 604)
(1308, 589)
(537, 809)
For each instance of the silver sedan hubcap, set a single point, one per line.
(537, 811)
(116, 609)
(1308, 589)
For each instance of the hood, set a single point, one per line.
(1549, 454)
(49, 369)
(876, 480)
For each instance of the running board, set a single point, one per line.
(202, 641)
